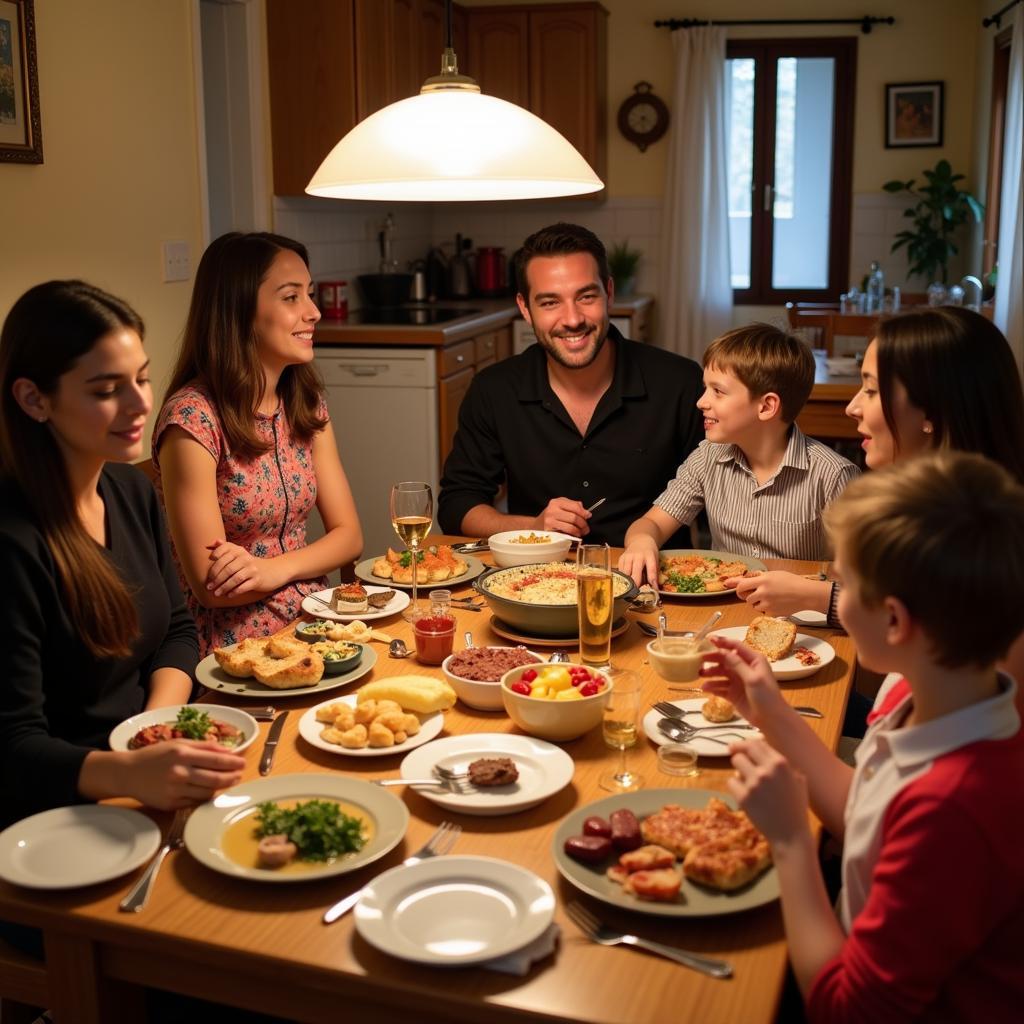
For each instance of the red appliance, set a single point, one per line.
(490, 270)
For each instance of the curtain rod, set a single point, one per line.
(993, 19)
(865, 23)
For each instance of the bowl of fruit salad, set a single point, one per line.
(555, 701)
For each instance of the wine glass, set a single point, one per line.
(412, 514)
(619, 727)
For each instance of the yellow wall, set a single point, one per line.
(121, 172)
(932, 40)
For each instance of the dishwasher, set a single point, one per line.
(383, 406)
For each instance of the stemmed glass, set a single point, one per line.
(412, 515)
(619, 726)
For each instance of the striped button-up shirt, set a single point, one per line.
(780, 518)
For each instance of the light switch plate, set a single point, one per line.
(177, 261)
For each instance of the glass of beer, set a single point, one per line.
(594, 601)
(619, 728)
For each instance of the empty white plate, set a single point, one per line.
(454, 910)
(71, 846)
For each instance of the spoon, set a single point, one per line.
(712, 619)
(397, 649)
(468, 637)
(559, 656)
(662, 626)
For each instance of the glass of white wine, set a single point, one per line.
(594, 601)
(619, 726)
(412, 515)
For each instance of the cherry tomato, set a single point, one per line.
(589, 689)
(520, 687)
(529, 675)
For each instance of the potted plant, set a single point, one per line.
(622, 264)
(940, 209)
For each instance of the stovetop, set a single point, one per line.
(408, 315)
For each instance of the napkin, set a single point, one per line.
(523, 959)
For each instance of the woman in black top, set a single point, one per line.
(94, 628)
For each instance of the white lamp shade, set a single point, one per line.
(453, 145)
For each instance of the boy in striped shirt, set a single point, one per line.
(763, 483)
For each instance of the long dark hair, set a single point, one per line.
(958, 369)
(46, 332)
(219, 348)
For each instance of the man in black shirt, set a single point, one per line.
(584, 414)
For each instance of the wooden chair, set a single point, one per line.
(23, 986)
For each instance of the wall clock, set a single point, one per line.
(643, 117)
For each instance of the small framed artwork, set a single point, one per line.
(21, 134)
(913, 114)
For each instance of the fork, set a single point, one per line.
(138, 895)
(437, 783)
(458, 782)
(597, 932)
(672, 711)
(439, 843)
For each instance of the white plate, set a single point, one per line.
(71, 846)
(544, 769)
(213, 677)
(725, 556)
(454, 910)
(122, 734)
(789, 668)
(810, 618)
(207, 823)
(310, 729)
(700, 743)
(398, 603)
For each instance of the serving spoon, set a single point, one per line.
(397, 649)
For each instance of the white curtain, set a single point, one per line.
(696, 293)
(1009, 311)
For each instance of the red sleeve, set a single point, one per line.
(933, 899)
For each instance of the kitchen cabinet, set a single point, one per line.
(551, 59)
(339, 62)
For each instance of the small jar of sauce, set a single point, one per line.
(435, 633)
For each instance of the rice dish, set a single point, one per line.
(553, 583)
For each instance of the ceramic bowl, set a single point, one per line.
(338, 666)
(507, 553)
(314, 632)
(555, 720)
(544, 620)
(476, 693)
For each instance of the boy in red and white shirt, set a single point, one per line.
(931, 915)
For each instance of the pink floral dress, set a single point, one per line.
(264, 502)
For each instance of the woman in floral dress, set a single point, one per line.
(244, 448)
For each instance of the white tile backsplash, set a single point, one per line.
(342, 235)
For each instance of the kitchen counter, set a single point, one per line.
(482, 315)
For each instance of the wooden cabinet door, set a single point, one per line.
(406, 48)
(312, 86)
(451, 391)
(568, 72)
(498, 57)
(374, 55)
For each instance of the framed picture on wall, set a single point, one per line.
(21, 135)
(913, 114)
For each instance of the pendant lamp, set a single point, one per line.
(451, 143)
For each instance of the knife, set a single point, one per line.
(270, 747)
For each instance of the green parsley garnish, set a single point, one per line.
(686, 584)
(319, 828)
(193, 723)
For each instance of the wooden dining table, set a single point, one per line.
(264, 947)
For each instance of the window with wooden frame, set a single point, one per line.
(789, 105)
(996, 131)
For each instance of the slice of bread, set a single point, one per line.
(772, 637)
